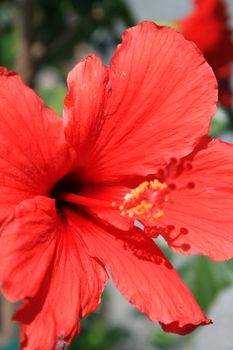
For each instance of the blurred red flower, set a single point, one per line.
(130, 146)
(208, 27)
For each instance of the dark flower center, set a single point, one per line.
(146, 202)
(67, 194)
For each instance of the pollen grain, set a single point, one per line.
(146, 201)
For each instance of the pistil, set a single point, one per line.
(82, 200)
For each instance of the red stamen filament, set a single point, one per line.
(81, 200)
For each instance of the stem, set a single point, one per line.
(25, 16)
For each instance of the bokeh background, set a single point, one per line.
(43, 40)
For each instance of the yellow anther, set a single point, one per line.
(145, 202)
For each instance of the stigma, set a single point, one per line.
(146, 202)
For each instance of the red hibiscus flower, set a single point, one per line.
(131, 146)
(207, 26)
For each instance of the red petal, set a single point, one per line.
(144, 276)
(61, 282)
(36, 335)
(159, 90)
(208, 27)
(199, 221)
(83, 109)
(33, 153)
(27, 247)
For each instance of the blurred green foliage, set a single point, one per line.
(34, 33)
(97, 334)
(220, 123)
(54, 97)
(205, 278)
